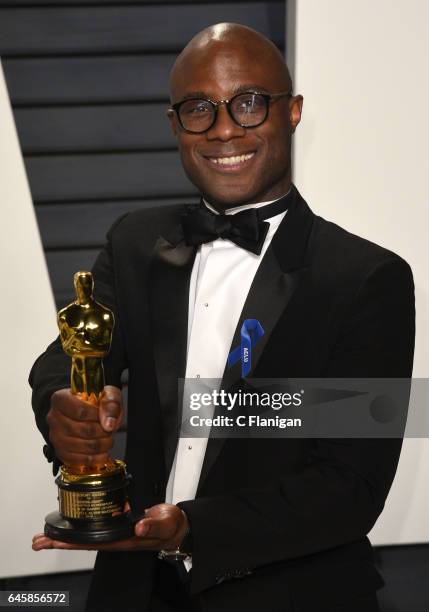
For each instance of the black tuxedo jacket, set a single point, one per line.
(280, 523)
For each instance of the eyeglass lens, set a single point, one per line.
(248, 110)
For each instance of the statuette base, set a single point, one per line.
(92, 506)
(59, 528)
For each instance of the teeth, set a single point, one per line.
(230, 161)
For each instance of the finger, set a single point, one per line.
(73, 406)
(77, 459)
(77, 429)
(142, 528)
(110, 411)
(78, 451)
(42, 542)
(98, 446)
(112, 393)
(154, 529)
(38, 536)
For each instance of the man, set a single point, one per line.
(275, 523)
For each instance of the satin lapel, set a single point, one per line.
(273, 286)
(170, 273)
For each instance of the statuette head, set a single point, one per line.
(84, 285)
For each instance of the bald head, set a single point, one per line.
(228, 39)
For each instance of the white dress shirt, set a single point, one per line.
(220, 282)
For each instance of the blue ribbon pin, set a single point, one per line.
(251, 332)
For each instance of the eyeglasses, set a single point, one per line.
(248, 110)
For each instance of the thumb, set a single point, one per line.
(148, 527)
(110, 408)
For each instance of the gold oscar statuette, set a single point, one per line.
(91, 499)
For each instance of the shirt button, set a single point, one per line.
(189, 447)
(206, 304)
(198, 376)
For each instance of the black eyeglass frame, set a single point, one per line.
(216, 103)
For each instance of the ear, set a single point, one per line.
(295, 111)
(172, 118)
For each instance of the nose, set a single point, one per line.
(224, 128)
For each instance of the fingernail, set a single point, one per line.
(110, 423)
(140, 528)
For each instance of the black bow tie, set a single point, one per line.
(247, 229)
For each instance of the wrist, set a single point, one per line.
(183, 548)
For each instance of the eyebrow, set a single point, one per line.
(194, 94)
(249, 87)
(235, 90)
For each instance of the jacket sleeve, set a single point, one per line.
(336, 498)
(51, 371)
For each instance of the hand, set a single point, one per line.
(163, 528)
(80, 432)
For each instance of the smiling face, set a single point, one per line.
(231, 165)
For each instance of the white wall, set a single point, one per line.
(28, 318)
(361, 159)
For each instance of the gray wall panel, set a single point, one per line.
(130, 29)
(78, 80)
(43, 3)
(94, 128)
(106, 176)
